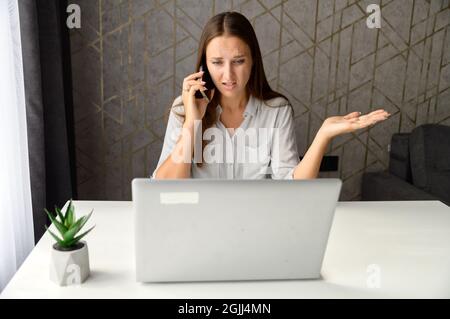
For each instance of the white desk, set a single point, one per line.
(408, 241)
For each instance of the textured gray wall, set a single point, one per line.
(130, 56)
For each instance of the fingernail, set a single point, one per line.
(359, 113)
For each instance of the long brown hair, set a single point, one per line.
(234, 24)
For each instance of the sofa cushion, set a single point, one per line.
(385, 186)
(429, 147)
(399, 156)
(439, 182)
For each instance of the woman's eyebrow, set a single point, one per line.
(235, 57)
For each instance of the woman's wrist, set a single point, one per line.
(190, 123)
(323, 137)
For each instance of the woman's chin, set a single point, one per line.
(228, 93)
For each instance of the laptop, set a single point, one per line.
(220, 230)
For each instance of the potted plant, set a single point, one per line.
(70, 257)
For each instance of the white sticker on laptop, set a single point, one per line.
(179, 198)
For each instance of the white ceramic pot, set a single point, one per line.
(69, 267)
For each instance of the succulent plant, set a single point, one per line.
(68, 226)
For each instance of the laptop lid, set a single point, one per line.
(203, 230)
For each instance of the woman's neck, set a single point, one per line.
(235, 104)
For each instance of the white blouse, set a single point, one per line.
(264, 145)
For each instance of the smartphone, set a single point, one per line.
(209, 83)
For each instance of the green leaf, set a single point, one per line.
(78, 238)
(67, 209)
(86, 218)
(76, 227)
(58, 240)
(70, 215)
(60, 227)
(60, 215)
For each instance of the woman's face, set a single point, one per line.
(229, 62)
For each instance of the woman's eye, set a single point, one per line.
(236, 62)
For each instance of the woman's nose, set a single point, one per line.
(228, 72)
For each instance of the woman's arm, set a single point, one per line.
(333, 126)
(178, 163)
(309, 166)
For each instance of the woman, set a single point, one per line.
(241, 102)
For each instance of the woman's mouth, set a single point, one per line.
(229, 85)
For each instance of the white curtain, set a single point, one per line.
(16, 218)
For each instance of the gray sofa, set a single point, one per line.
(419, 167)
